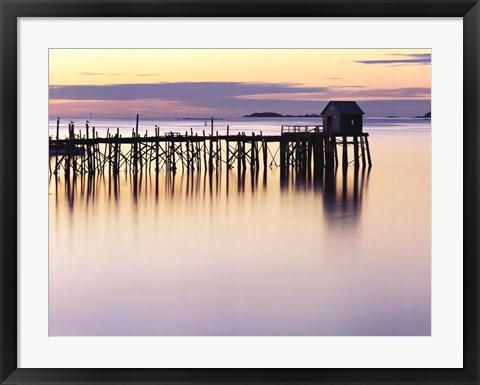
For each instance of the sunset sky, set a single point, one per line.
(236, 82)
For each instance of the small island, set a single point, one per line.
(428, 115)
(277, 115)
(205, 119)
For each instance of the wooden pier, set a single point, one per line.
(296, 147)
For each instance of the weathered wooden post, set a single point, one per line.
(362, 147)
(355, 151)
(197, 146)
(187, 150)
(58, 128)
(210, 155)
(109, 144)
(228, 148)
(89, 149)
(257, 158)
(265, 152)
(71, 130)
(115, 151)
(283, 160)
(157, 134)
(94, 153)
(244, 152)
(329, 160)
(56, 147)
(239, 152)
(252, 152)
(309, 154)
(66, 157)
(345, 152)
(368, 152)
(135, 147)
(321, 151)
(219, 152)
(335, 150)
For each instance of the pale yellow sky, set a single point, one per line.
(230, 82)
(315, 67)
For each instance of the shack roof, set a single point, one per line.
(348, 108)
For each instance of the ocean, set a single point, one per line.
(250, 253)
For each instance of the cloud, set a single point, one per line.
(417, 55)
(87, 73)
(123, 108)
(99, 74)
(211, 92)
(387, 93)
(419, 58)
(346, 87)
(180, 90)
(216, 98)
(91, 73)
(339, 93)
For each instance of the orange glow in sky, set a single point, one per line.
(298, 76)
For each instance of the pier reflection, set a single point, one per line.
(340, 190)
(343, 194)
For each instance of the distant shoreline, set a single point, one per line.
(428, 115)
(80, 119)
(205, 119)
(277, 115)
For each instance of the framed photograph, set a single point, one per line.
(239, 192)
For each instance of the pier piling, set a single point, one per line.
(295, 148)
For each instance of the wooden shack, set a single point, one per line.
(343, 118)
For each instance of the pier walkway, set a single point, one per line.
(298, 147)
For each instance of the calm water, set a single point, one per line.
(247, 254)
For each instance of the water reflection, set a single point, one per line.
(341, 190)
(343, 195)
(244, 253)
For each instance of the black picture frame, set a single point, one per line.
(11, 10)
